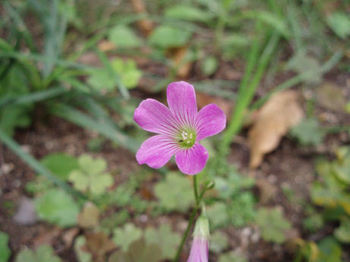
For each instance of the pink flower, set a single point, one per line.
(179, 129)
(199, 250)
(200, 246)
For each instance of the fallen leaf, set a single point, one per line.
(47, 237)
(145, 25)
(106, 46)
(205, 99)
(273, 121)
(178, 55)
(26, 214)
(138, 251)
(267, 190)
(331, 97)
(89, 216)
(69, 235)
(99, 245)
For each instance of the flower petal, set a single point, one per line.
(182, 102)
(154, 117)
(199, 251)
(192, 161)
(156, 151)
(210, 121)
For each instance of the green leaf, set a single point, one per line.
(123, 37)
(341, 167)
(306, 66)
(188, 13)
(168, 36)
(313, 222)
(218, 215)
(242, 209)
(138, 251)
(12, 117)
(5, 251)
(233, 256)
(56, 206)
(218, 242)
(60, 164)
(330, 251)
(175, 186)
(128, 72)
(308, 132)
(342, 233)
(339, 22)
(91, 177)
(80, 250)
(123, 237)
(13, 85)
(101, 80)
(209, 65)
(42, 254)
(272, 224)
(164, 235)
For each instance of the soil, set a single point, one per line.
(290, 165)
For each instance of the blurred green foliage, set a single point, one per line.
(5, 251)
(43, 253)
(53, 63)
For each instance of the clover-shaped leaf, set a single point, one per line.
(91, 176)
(57, 207)
(60, 164)
(122, 36)
(123, 237)
(340, 24)
(81, 251)
(308, 132)
(218, 242)
(232, 256)
(128, 72)
(342, 233)
(101, 79)
(44, 253)
(218, 215)
(165, 36)
(272, 224)
(242, 209)
(174, 187)
(164, 235)
(138, 251)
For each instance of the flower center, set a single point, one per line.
(186, 138)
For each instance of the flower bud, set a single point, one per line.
(200, 245)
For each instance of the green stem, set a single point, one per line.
(195, 190)
(185, 235)
(192, 217)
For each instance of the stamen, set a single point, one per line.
(186, 138)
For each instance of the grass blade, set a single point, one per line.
(33, 97)
(81, 119)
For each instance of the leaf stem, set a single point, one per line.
(195, 190)
(198, 199)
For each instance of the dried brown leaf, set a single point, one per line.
(89, 216)
(99, 245)
(106, 46)
(273, 121)
(331, 97)
(69, 235)
(178, 55)
(204, 99)
(145, 25)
